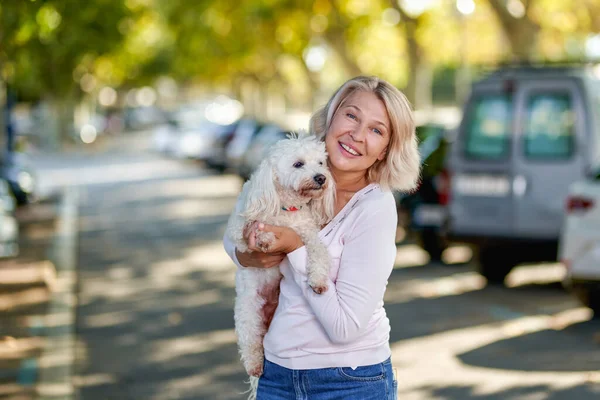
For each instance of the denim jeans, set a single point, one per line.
(371, 382)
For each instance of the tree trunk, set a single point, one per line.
(420, 73)
(59, 122)
(521, 33)
(337, 40)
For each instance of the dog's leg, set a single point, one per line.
(318, 262)
(249, 325)
(255, 303)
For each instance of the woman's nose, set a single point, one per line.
(358, 134)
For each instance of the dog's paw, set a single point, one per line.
(264, 240)
(318, 285)
(256, 372)
(319, 289)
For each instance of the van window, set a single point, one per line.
(488, 127)
(549, 126)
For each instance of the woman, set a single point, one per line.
(336, 345)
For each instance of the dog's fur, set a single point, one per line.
(278, 183)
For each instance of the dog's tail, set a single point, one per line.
(253, 381)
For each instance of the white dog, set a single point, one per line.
(292, 187)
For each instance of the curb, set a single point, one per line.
(56, 363)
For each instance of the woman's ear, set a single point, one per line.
(263, 198)
(381, 155)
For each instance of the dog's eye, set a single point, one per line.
(320, 162)
(298, 164)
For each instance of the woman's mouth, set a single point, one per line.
(349, 150)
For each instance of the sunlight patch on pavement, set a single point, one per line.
(536, 273)
(112, 173)
(457, 254)
(205, 384)
(193, 208)
(198, 187)
(410, 255)
(409, 289)
(434, 358)
(210, 257)
(169, 349)
(108, 319)
(94, 380)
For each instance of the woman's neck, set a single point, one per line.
(349, 182)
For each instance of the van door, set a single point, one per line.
(480, 164)
(549, 154)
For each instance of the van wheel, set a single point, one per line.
(433, 244)
(495, 264)
(589, 298)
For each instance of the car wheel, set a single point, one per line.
(495, 263)
(433, 244)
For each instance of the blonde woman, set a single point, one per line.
(336, 345)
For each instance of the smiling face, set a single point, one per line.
(358, 135)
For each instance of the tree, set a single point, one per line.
(44, 42)
(519, 28)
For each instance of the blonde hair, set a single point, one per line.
(400, 169)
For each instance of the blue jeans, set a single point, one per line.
(371, 382)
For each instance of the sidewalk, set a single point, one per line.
(37, 303)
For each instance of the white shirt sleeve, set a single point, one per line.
(366, 263)
(228, 244)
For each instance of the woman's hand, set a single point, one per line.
(257, 259)
(285, 240)
(280, 239)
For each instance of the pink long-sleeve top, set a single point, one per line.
(346, 326)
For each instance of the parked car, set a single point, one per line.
(579, 245)
(217, 159)
(20, 176)
(526, 134)
(425, 208)
(246, 131)
(257, 149)
(187, 134)
(9, 228)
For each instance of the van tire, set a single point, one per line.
(433, 244)
(589, 298)
(495, 263)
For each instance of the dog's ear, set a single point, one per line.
(263, 198)
(323, 209)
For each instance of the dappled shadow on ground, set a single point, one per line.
(155, 318)
(573, 348)
(530, 392)
(456, 297)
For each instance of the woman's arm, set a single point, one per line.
(366, 263)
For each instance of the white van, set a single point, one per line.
(527, 133)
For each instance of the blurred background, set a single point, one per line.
(129, 126)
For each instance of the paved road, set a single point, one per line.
(155, 314)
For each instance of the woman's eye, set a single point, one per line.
(298, 164)
(377, 131)
(350, 115)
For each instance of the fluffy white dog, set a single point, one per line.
(292, 187)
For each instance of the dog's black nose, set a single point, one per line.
(320, 179)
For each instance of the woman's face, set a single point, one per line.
(359, 133)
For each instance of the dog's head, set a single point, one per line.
(294, 173)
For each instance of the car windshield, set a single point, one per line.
(488, 126)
